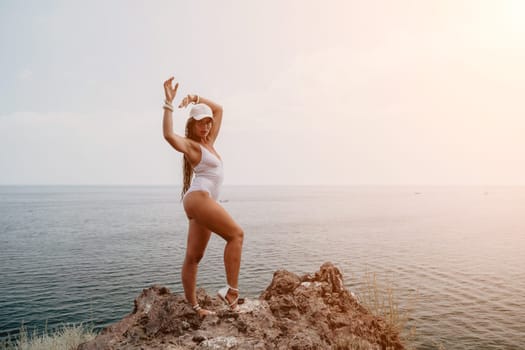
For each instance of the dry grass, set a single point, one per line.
(66, 337)
(351, 342)
(382, 300)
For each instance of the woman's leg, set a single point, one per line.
(207, 212)
(198, 237)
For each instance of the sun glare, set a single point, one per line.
(516, 11)
(512, 18)
(498, 24)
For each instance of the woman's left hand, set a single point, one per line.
(187, 100)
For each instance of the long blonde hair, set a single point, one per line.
(187, 170)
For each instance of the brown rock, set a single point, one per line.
(314, 311)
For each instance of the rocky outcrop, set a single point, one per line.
(313, 311)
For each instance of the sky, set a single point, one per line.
(314, 92)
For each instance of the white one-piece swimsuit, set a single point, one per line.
(209, 174)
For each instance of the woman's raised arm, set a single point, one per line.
(180, 143)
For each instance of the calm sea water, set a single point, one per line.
(72, 254)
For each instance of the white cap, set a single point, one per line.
(201, 111)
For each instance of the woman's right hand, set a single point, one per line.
(169, 91)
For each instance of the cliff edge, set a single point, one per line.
(314, 311)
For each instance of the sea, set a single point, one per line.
(454, 256)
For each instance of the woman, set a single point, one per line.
(204, 213)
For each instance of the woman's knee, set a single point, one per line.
(238, 234)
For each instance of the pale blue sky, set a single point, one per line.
(314, 93)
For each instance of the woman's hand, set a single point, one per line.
(187, 100)
(169, 91)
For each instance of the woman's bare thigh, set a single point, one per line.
(207, 212)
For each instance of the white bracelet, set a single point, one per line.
(168, 106)
(168, 103)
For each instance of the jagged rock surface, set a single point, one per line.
(314, 311)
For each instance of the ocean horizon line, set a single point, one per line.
(268, 185)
